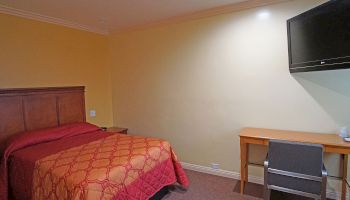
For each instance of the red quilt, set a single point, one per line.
(79, 161)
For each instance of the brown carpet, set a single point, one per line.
(209, 187)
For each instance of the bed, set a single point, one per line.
(49, 151)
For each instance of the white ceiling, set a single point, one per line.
(112, 15)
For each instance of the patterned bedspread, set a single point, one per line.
(112, 166)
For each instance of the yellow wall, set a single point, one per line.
(36, 54)
(197, 83)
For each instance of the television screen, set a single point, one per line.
(319, 39)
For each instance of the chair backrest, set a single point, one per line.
(296, 157)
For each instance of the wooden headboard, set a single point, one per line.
(27, 109)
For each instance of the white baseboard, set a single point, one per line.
(331, 194)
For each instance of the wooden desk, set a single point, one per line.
(332, 144)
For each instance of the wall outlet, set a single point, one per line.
(92, 113)
(215, 166)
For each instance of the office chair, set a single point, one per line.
(295, 168)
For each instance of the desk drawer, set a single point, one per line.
(339, 150)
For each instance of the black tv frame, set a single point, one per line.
(317, 65)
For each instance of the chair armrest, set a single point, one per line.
(324, 183)
(266, 166)
(266, 163)
(324, 171)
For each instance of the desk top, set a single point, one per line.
(295, 136)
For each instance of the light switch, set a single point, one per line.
(92, 113)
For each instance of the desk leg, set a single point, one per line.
(244, 164)
(345, 174)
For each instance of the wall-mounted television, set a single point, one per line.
(319, 39)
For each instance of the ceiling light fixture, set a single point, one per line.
(264, 14)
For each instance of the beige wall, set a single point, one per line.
(198, 83)
(195, 83)
(36, 54)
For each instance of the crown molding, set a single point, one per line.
(48, 19)
(202, 14)
(173, 20)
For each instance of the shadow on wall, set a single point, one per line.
(331, 89)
